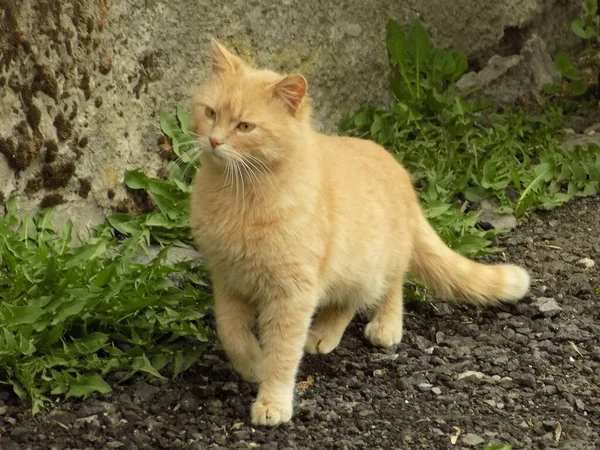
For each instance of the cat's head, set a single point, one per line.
(244, 112)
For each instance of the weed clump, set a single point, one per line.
(72, 314)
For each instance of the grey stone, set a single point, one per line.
(547, 305)
(472, 440)
(507, 79)
(563, 407)
(241, 435)
(365, 412)
(527, 380)
(146, 392)
(488, 216)
(422, 343)
(581, 140)
(175, 255)
(188, 402)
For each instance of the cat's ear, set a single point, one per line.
(292, 90)
(222, 60)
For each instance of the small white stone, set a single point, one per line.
(471, 374)
(586, 262)
(424, 386)
(379, 373)
(436, 390)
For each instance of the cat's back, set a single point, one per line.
(360, 157)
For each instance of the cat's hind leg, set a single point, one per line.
(328, 327)
(385, 327)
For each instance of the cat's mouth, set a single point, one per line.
(218, 155)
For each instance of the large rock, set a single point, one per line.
(82, 81)
(508, 79)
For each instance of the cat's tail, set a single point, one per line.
(454, 277)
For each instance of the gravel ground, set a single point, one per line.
(527, 375)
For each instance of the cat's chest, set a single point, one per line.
(234, 236)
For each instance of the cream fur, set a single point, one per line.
(296, 224)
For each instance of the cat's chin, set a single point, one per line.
(216, 156)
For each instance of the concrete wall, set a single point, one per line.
(82, 81)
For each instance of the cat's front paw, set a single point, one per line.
(271, 412)
(383, 334)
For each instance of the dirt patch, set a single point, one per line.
(534, 379)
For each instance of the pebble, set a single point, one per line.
(471, 374)
(586, 262)
(424, 387)
(146, 392)
(436, 390)
(241, 435)
(365, 412)
(563, 407)
(579, 404)
(547, 305)
(189, 402)
(379, 373)
(422, 343)
(527, 380)
(472, 440)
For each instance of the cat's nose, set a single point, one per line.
(214, 142)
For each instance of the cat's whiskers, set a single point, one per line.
(261, 166)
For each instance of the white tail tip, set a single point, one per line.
(516, 283)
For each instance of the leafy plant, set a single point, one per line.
(168, 225)
(460, 152)
(70, 317)
(576, 81)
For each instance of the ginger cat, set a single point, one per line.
(296, 224)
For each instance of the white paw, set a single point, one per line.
(322, 341)
(271, 413)
(383, 334)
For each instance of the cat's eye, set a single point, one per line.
(210, 113)
(245, 126)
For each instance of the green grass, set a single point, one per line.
(76, 319)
